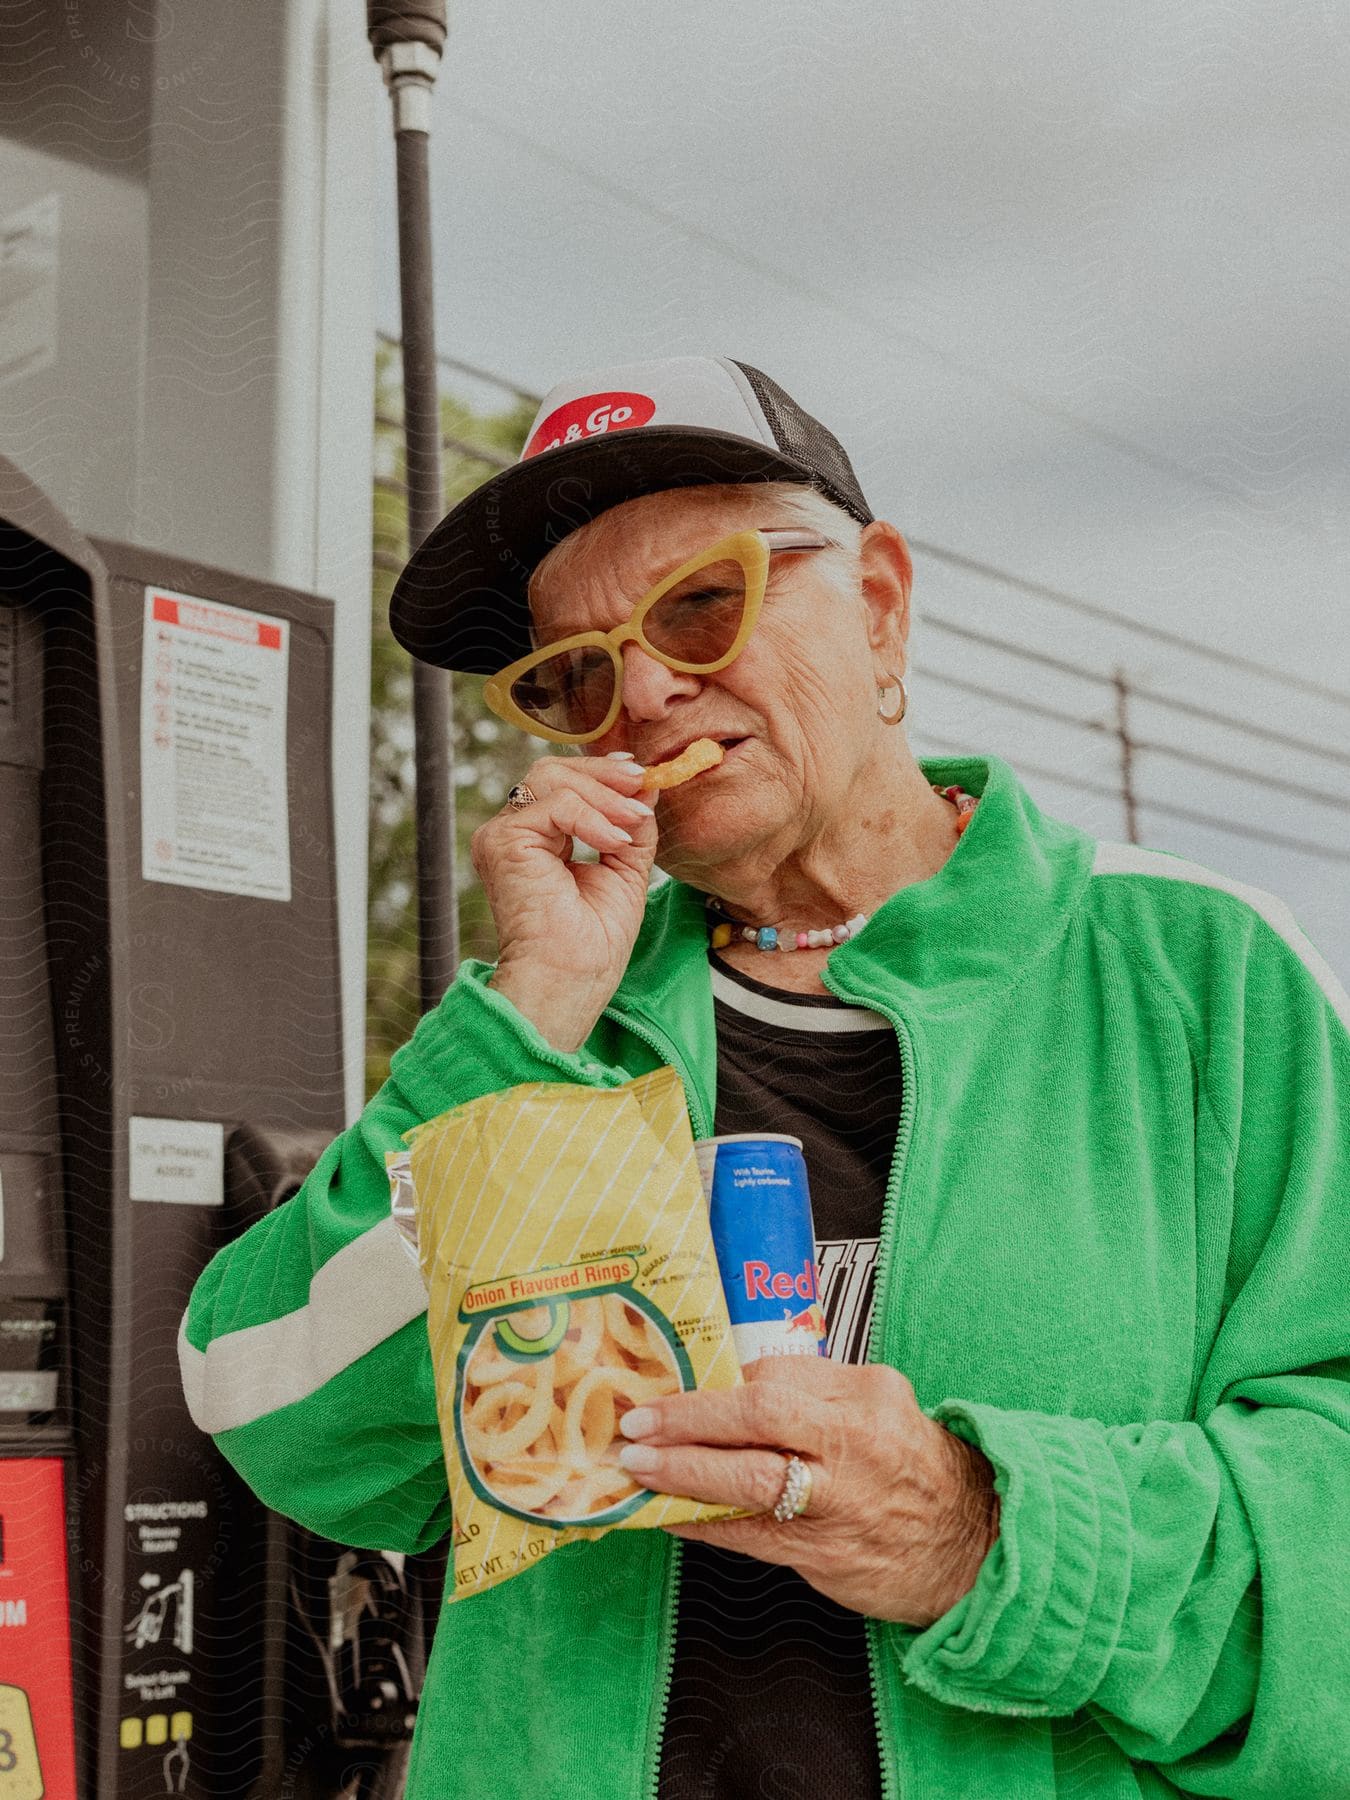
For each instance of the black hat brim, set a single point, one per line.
(461, 601)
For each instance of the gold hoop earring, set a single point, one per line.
(892, 718)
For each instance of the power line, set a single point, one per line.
(1237, 828)
(1012, 648)
(1092, 610)
(1213, 764)
(1040, 710)
(1286, 740)
(495, 459)
(466, 368)
(1037, 708)
(818, 296)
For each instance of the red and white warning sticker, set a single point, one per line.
(214, 804)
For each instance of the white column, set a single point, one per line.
(256, 434)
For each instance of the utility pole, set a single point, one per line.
(407, 37)
(1126, 756)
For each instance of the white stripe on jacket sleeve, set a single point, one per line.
(365, 1293)
(1133, 859)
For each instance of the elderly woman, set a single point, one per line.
(1075, 1120)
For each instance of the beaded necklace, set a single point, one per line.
(724, 929)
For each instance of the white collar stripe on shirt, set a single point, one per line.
(790, 1012)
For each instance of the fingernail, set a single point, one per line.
(639, 1459)
(619, 755)
(642, 807)
(638, 1422)
(627, 836)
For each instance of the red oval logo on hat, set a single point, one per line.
(590, 416)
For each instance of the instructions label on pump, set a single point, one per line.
(214, 805)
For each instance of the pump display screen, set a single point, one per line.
(30, 1345)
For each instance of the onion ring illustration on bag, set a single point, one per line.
(541, 1393)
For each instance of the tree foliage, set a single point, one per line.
(488, 756)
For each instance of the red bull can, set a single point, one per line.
(759, 1209)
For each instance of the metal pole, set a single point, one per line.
(1126, 757)
(408, 38)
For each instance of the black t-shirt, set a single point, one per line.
(771, 1693)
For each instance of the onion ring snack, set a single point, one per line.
(703, 753)
(563, 1237)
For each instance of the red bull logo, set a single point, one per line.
(811, 1321)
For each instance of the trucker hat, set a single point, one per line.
(596, 441)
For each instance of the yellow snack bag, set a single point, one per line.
(563, 1235)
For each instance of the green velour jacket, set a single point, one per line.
(1114, 1255)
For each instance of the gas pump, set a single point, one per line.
(37, 1743)
(170, 1067)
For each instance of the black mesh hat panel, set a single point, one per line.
(806, 438)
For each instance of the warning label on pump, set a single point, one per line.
(214, 809)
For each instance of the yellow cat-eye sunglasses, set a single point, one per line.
(696, 619)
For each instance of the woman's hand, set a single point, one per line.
(901, 1513)
(565, 929)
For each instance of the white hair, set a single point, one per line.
(808, 506)
(794, 500)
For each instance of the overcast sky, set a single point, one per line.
(1072, 286)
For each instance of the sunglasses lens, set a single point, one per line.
(697, 621)
(570, 691)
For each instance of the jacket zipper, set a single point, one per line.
(890, 1780)
(656, 1730)
(670, 1600)
(890, 1783)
